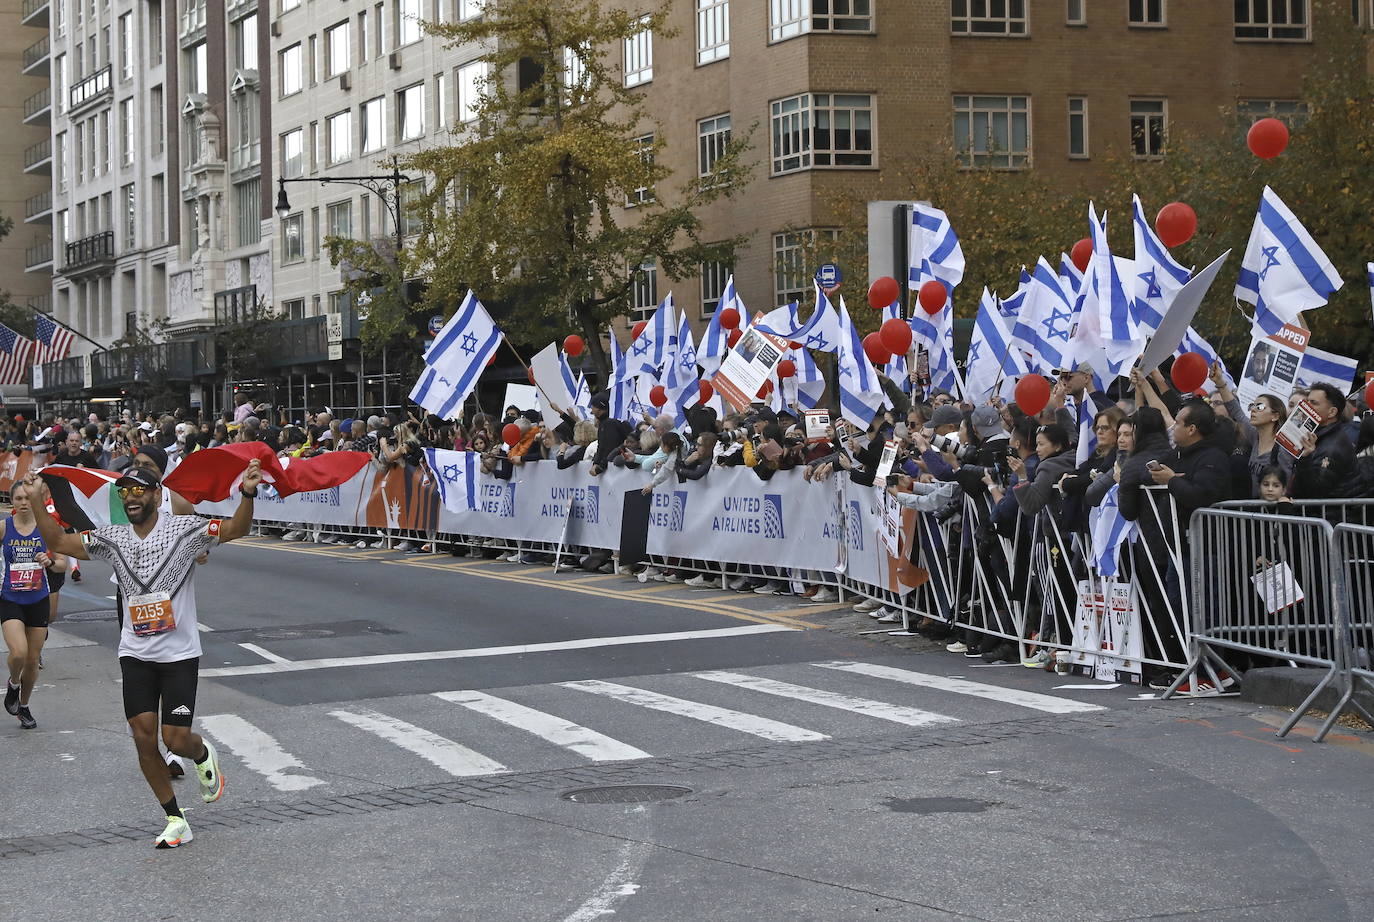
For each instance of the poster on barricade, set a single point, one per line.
(1120, 639)
(817, 421)
(1302, 420)
(890, 520)
(748, 366)
(885, 463)
(1272, 364)
(1277, 587)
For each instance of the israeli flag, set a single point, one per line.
(1109, 529)
(1369, 271)
(456, 359)
(569, 379)
(1193, 341)
(1158, 275)
(860, 393)
(582, 398)
(1009, 308)
(650, 349)
(713, 346)
(1318, 366)
(896, 368)
(1122, 341)
(1045, 322)
(622, 383)
(1069, 274)
(820, 331)
(809, 382)
(680, 380)
(934, 249)
(1284, 271)
(992, 357)
(456, 477)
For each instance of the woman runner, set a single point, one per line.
(24, 602)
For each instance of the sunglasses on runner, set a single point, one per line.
(135, 491)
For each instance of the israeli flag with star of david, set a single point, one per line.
(992, 357)
(1045, 322)
(1109, 530)
(1284, 271)
(650, 349)
(455, 474)
(1158, 276)
(456, 359)
(1320, 366)
(861, 394)
(1193, 341)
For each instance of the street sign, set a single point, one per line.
(436, 323)
(333, 328)
(828, 277)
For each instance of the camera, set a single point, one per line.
(733, 436)
(943, 443)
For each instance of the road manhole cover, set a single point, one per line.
(626, 794)
(925, 806)
(94, 614)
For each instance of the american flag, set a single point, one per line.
(16, 353)
(51, 341)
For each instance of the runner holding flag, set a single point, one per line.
(159, 644)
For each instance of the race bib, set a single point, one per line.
(26, 577)
(151, 613)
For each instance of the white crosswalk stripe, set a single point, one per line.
(912, 717)
(1049, 703)
(595, 746)
(763, 727)
(454, 758)
(259, 752)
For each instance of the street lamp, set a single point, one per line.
(386, 187)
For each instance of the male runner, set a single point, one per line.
(159, 645)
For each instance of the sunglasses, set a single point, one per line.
(135, 491)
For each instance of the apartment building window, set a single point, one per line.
(468, 9)
(79, 154)
(1076, 13)
(1272, 20)
(247, 137)
(992, 132)
(292, 73)
(312, 61)
(412, 222)
(841, 15)
(713, 138)
(126, 131)
(336, 45)
(293, 238)
(126, 47)
(59, 17)
(441, 113)
(246, 42)
(822, 130)
(713, 30)
(313, 147)
(103, 142)
(339, 137)
(197, 69)
(363, 47)
(790, 278)
(59, 83)
(339, 219)
(59, 161)
(1078, 127)
(786, 19)
(247, 205)
(410, 112)
(293, 153)
(469, 80)
(365, 216)
(1149, 128)
(129, 213)
(154, 34)
(374, 124)
(92, 163)
(407, 22)
(988, 17)
(379, 30)
(574, 75)
(1291, 111)
(643, 289)
(1145, 13)
(289, 5)
(293, 308)
(642, 195)
(714, 275)
(157, 112)
(791, 119)
(639, 56)
(159, 209)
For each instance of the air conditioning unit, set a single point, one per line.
(394, 60)
(276, 28)
(346, 80)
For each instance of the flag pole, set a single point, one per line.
(73, 330)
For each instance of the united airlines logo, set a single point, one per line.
(508, 502)
(677, 512)
(772, 516)
(581, 503)
(498, 499)
(846, 522)
(856, 525)
(750, 515)
(591, 505)
(668, 510)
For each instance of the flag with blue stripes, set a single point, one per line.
(582, 398)
(819, 331)
(1109, 529)
(569, 379)
(1319, 366)
(622, 382)
(680, 380)
(1284, 271)
(1068, 273)
(992, 357)
(810, 383)
(1009, 308)
(1193, 341)
(1045, 322)
(713, 342)
(1369, 271)
(1116, 318)
(934, 249)
(650, 349)
(455, 474)
(456, 359)
(860, 393)
(896, 368)
(1158, 275)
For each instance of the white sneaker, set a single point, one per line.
(738, 583)
(892, 617)
(403, 547)
(211, 780)
(772, 587)
(868, 605)
(825, 594)
(700, 582)
(957, 646)
(651, 573)
(291, 536)
(178, 832)
(360, 544)
(672, 578)
(878, 612)
(380, 542)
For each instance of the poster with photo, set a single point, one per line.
(748, 365)
(1271, 366)
(817, 422)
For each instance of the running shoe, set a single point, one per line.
(892, 617)
(867, 605)
(11, 698)
(178, 832)
(26, 720)
(825, 594)
(211, 780)
(957, 646)
(1037, 661)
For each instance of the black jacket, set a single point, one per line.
(1204, 479)
(1325, 472)
(610, 438)
(1075, 502)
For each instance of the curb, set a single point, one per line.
(1286, 686)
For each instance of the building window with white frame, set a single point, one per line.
(129, 212)
(441, 110)
(1290, 111)
(246, 42)
(59, 161)
(713, 30)
(1145, 13)
(1149, 128)
(293, 153)
(339, 137)
(822, 130)
(247, 207)
(988, 17)
(1078, 128)
(337, 49)
(339, 219)
(713, 140)
(791, 280)
(574, 76)
(156, 113)
(643, 289)
(791, 122)
(289, 5)
(246, 142)
(197, 69)
(642, 195)
(992, 132)
(1272, 20)
(469, 9)
(410, 112)
(787, 19)
(714, 275)
(154, 34)
(293, 308)
(639, 56)
(126, 46)
(126, 131)
(1076, 13)
(292, 74)
(412, 219)
(841, 15)
(469, 80)
(374, 124)
(407, 22)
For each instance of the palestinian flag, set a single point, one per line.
(85, 498)
(211, 474)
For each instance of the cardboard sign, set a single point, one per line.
(1271, 367)
(817, 421)
(885, 462)
(747, 366)
(1302, 420)
(1277, 587)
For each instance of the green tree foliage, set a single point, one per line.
(526, 209)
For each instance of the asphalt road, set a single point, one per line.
(399, 736)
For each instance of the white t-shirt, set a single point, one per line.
(165, 561)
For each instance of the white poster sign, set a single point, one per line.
(748, 366)
(1272, 364)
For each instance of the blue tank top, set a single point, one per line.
(25, 581)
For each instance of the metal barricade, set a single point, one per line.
(1335, 511)
(1267, 586)
(1355, 556)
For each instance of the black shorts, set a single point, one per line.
(172, 684)
(33, 614)
(56, 581)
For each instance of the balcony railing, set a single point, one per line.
(63, 376)
(38, 155)
(36, 54)
(90, 251)
(92, 88)
(193, 18)
(40, 303)
(38, 105)
(34, 12)
(172, 361)
(38, 205)
(38, 255)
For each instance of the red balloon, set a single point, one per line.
(510, 433)
(895, 335)
(574, 345)
(657, 395)
(1267, 138)
(787, 368)
(733, 338)
(1176, 223)
(882, 292)
(705, 392)
(933, 296)
(765, 390)
(1081, 253)
(794, 346)
(1369, 394)
(1032, 394)
(875, 350)
(729, 319)
(1189, 371)
(638, 328)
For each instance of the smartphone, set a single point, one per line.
(1153, 465)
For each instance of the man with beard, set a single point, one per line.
(159, 644)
